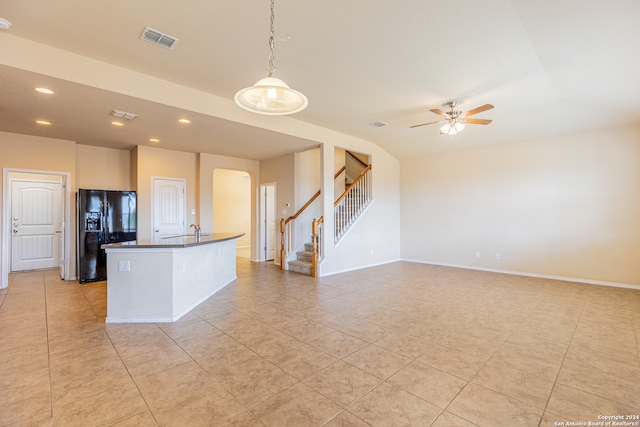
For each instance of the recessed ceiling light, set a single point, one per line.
(184, 121)
(44, 90)
(154, 140)
(4, 24)
(118, 124)
(43, 122)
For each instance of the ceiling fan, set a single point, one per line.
(455, 120)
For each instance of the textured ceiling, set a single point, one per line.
(550, 68)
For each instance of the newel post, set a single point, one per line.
(314, 241)
(282, 251)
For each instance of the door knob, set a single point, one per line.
(15, 231)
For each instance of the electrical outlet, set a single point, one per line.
(498, 256)
(124, 265)
(477, 254)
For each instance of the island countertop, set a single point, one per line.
(161, 280)
(184, 241)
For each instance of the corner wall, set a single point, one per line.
(207, 164)
(375, 237)
(157, 162)
(41, 154)
(281, 170)
(567, 207)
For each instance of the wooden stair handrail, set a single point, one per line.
(283, 227)
(297, 214)
(306, 205)
(356, 157)
(364, 172)
(284, 222)
(311, 200)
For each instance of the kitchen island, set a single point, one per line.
(162, 280)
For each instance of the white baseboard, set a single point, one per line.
(358, 268)
(521, 273)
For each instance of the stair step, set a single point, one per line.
(304, 256)
(308, 247)
(302, 267)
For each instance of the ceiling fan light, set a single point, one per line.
(271, 96)
(452, 128)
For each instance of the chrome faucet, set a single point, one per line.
(196, 229)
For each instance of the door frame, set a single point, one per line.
(263, 229)
(6, 222)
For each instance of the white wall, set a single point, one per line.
(281, 170)
(24, 152)
(232, 204)
(339, 161)
(375, 237)
(307, 184)
(207, 165)
(566, 207)
(157, 162)
(103, 168)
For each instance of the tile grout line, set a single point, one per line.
(564, 357)
(485, 364)
(131, 377)
(46, 322)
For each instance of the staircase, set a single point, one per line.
(303, 262)
(349, 206)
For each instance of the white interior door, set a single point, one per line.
(168, 207)
(36, 225)
(268, 223)
(270, 220)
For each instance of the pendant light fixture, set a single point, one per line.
(270, 95)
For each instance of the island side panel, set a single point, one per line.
(145, 292)
(201, 271)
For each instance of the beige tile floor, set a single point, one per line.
(396, 345)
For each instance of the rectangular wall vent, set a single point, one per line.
(159, 38)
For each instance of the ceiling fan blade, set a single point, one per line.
(477, 121)
(480, 109)
(424, 124)
(439, 112)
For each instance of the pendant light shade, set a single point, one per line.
(270, 95)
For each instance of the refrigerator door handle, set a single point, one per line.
(105, 222)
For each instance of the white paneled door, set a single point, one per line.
(36, 225)
(168, 207)
(270, 222)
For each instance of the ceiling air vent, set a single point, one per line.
(161, 39)
(379, 124)
(123, 114)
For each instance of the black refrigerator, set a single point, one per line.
(103, 217)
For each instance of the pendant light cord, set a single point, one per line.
(271, 68)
